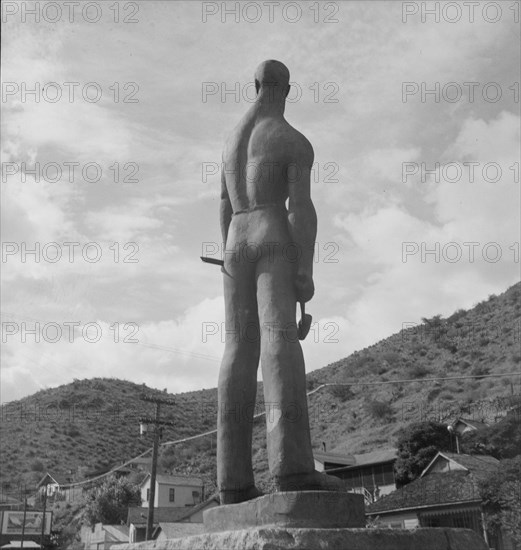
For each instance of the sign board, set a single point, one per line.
(13, 523)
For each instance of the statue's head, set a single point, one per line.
(274, 75)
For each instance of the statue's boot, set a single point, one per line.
(313, 481)
(234, 496)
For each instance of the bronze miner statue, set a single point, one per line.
(268, 268)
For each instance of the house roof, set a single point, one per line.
(479, 465)
(354, 460)
(176, 479)
(335, 458)
(472, 423)
(436, 489)
(202, 505)
(138, 514)
(375, 457)
(60, 479)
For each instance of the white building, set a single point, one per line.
(173, 491)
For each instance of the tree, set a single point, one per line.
(501, 440)
(500, 491)
(417, 445)
(110, 502)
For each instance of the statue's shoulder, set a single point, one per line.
(302, 145)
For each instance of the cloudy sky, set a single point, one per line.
(414, 118)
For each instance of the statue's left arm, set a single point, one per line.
(302, 221)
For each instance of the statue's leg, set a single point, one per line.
(283, 372)
(238, 385)
(290, 454)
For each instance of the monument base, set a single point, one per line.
(323, 539)
(290, 509)
(308, 520)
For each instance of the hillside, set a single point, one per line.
(90, 425)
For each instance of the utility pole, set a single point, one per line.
(23, 522)
(42, 533)
(157, 435)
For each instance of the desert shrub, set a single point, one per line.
(480, 370)
(417, 370)
(37, 466)
(380, 410)
(342, 393)
(434, 393)
(392, 357)
(72, 430)
(456, 316)
(448, 344)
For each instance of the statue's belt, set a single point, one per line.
(263, 206)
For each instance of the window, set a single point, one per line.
(196, 496)
(351, 478)
(148, 495)
(171, 495)
(384, 474)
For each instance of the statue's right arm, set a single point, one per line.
(302, 221)
(225, 211)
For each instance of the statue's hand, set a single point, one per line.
(304, 286)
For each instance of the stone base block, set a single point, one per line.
(306, 509)
(323, 539)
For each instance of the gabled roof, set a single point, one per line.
(59, 479)
(176, 479)
(477, 464)
(434, 490)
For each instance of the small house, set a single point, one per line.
(370, 474)
(173, 491)
(445, 495)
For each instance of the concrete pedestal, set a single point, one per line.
(298, 509)
(308, 520)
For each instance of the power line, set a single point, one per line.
(411, 380)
